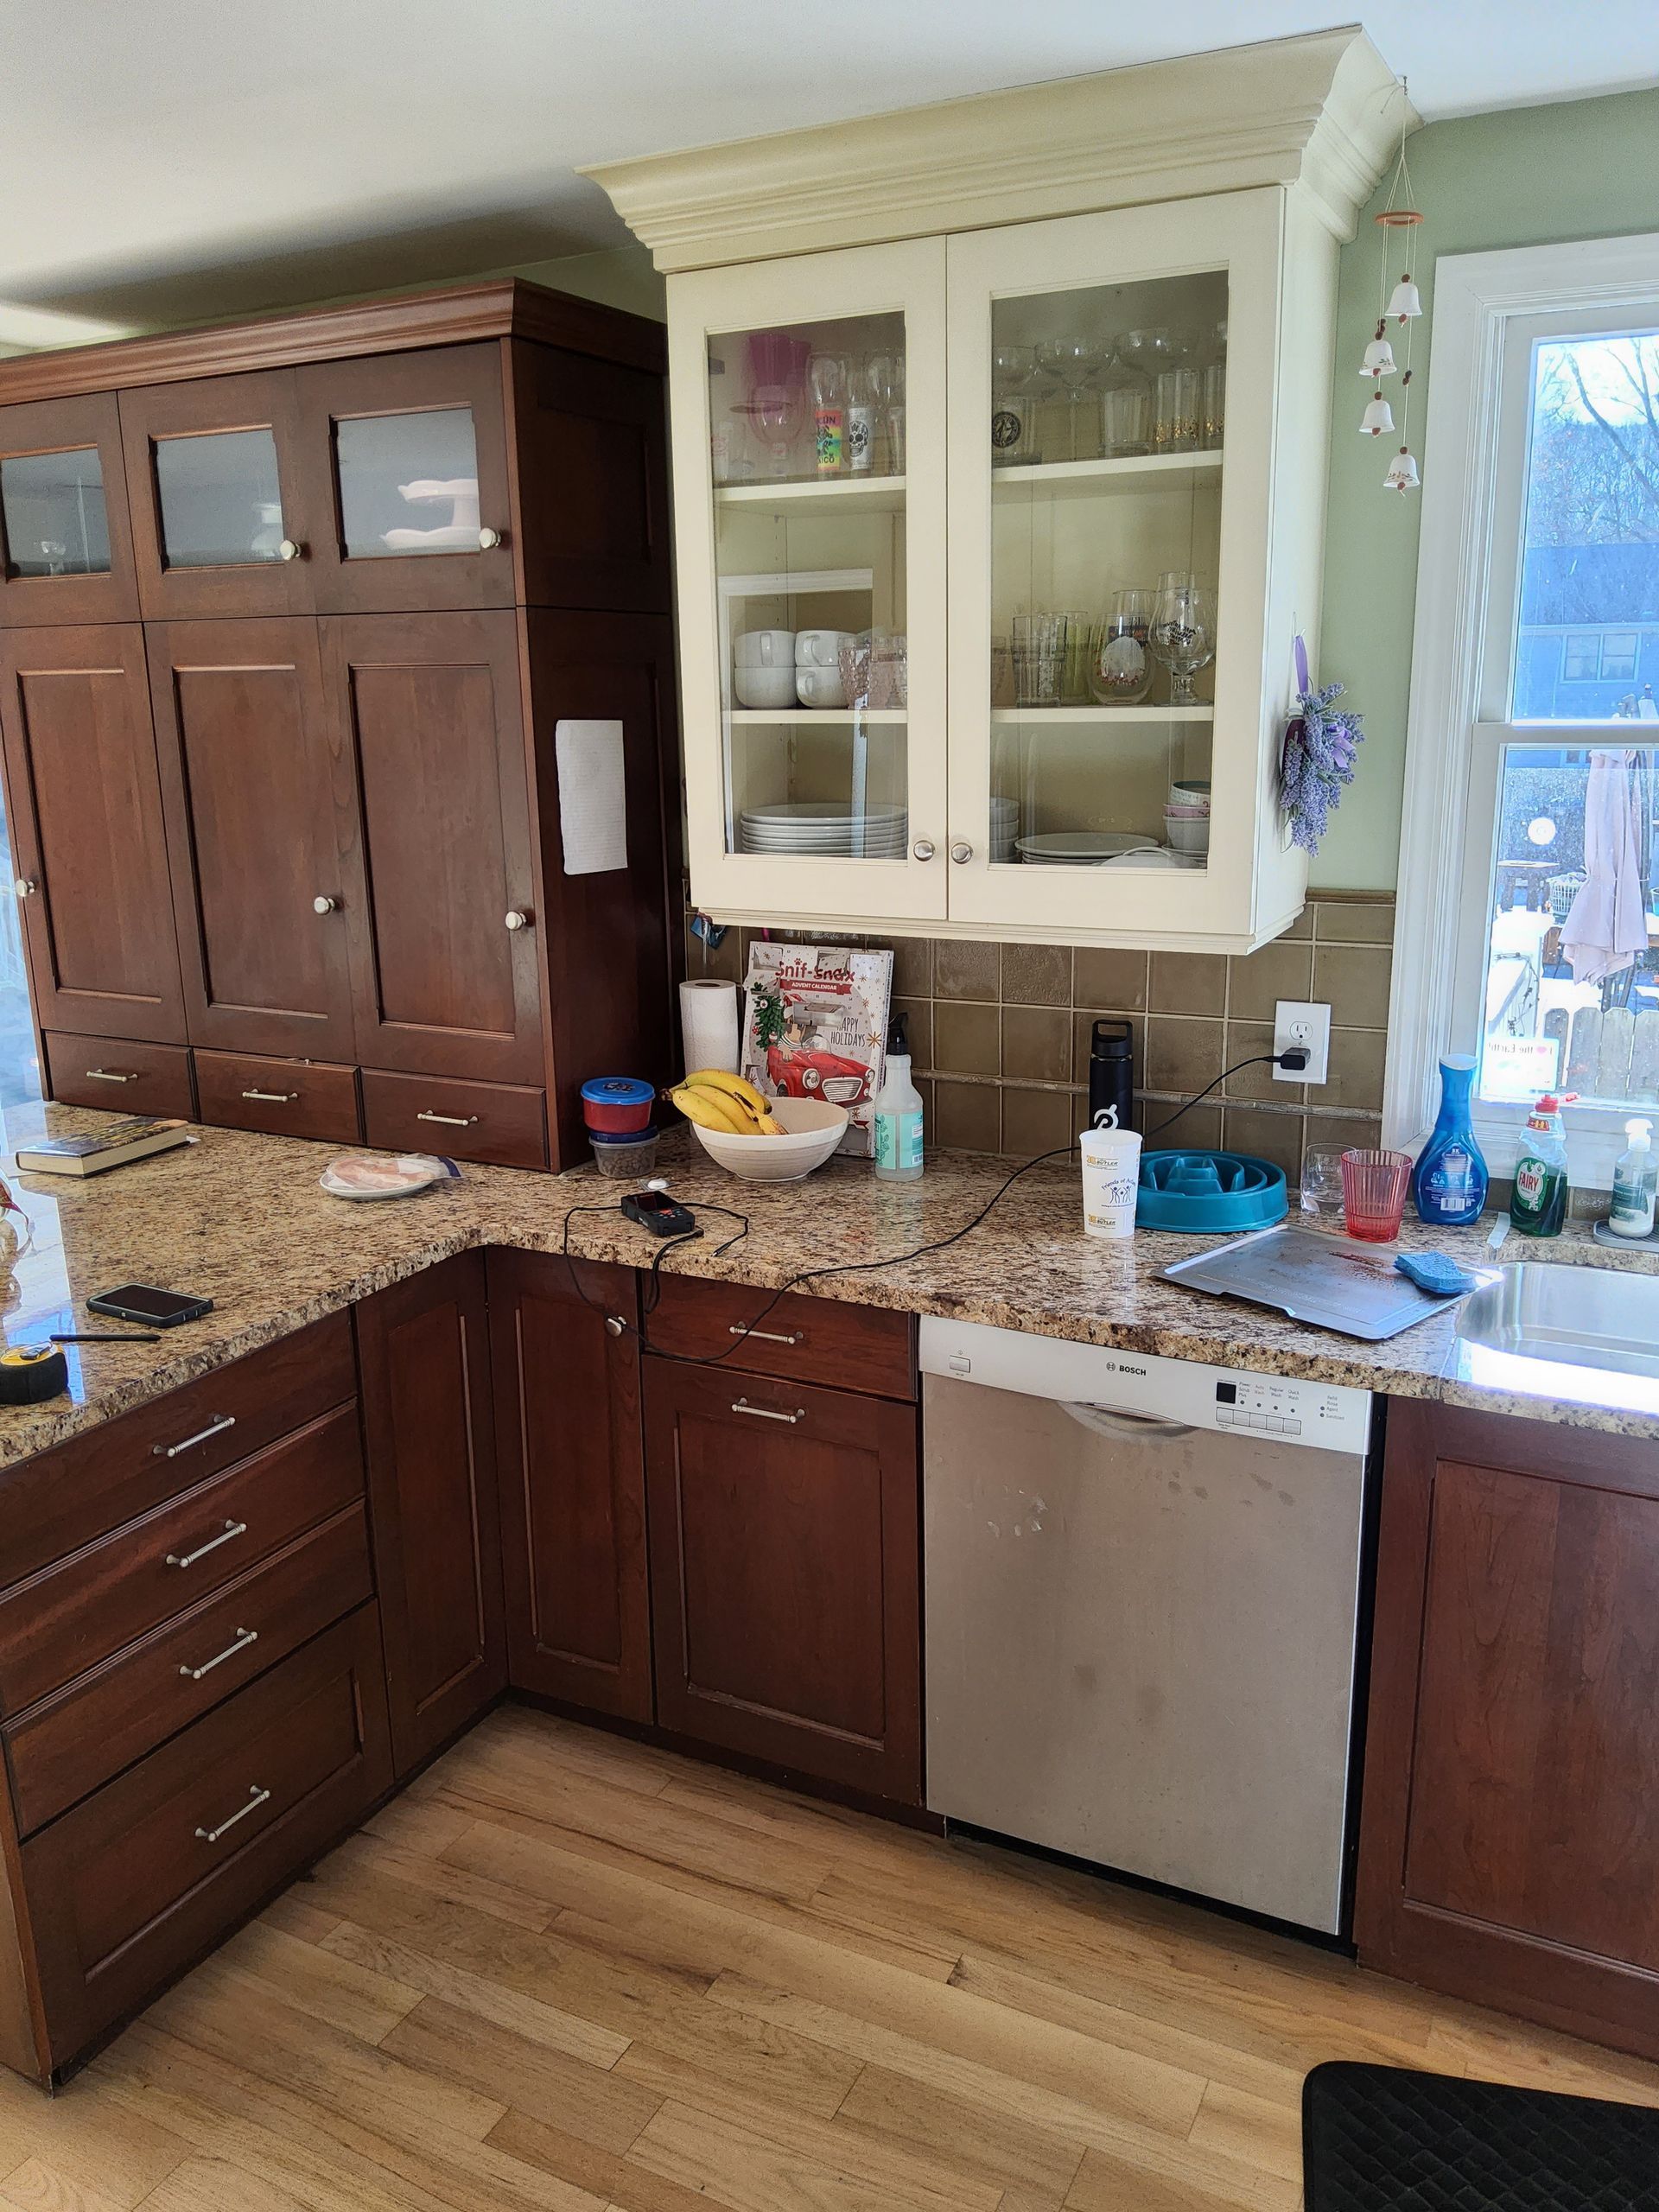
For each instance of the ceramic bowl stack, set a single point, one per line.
(831, 828)
(1186, 817)
(1005, 828)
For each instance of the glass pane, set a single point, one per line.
(807, 428)
(1587, 620)
(1572, 984)
(221, 504)
(54, 504)
(1108, 409)
(408, 483)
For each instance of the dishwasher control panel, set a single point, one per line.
(1281, 1408)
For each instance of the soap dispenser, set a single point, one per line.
(898, 1112)
(1636, 1177)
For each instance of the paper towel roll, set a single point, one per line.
(708, 1024)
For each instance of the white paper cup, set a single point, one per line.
(1111, 1175)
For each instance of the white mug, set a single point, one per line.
(764, 687)
(820, 648)
(765, 649)
(820, 687)
(1111, 1182)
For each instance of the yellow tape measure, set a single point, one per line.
(32, 1373)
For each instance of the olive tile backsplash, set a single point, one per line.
(1000, 1033)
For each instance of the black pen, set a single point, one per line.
(108, 1337)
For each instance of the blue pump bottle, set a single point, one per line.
(1449, 1181)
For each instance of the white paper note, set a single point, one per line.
(592, 804)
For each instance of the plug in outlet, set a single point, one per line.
(1297, 1021)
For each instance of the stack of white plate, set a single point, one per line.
(1081, 848)
(832, 828)
(1005, 827)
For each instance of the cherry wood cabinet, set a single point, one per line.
(66, 543)
(1509, 1824)
(85, 807)
(598, 432)
(262, 831)
(566, 1359)
(423, 1350)
(784, 1574)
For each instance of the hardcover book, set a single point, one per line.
(134, 1139)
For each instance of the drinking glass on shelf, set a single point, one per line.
(1213, 408)
(865, 380)
(1038, 659)
(1125, 410)
(1081, 643)
(826, 373)
(1074, 363)
(1183, 633)
(1176, 419)
(887, 377)
(777, 395)
(1120, 669)
(1013, 407)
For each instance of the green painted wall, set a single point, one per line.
(1524, 177)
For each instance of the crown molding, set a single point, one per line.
(1320, 113)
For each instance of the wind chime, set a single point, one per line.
(1402, 306)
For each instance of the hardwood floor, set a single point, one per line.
(564, 1974)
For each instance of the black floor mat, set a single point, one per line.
(1381, 2139)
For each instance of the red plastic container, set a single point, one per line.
(616, 1105)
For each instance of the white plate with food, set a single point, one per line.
(384, 1175)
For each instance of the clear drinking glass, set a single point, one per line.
(1321, 1184)
(1120, 668)
(1038, 659)
(1081, 643)
(863, 413)
(1013, 408)
(890, 396)
(1075, 363)
(1176, 419)
(1183, 633)
(1125, 411)
(826, 376)
(778, 395)
(1213, 408)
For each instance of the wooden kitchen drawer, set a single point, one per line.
(137, 1881)
(59, 1499)
(285, 1098)
(74, 1615)
(809, 1339)
(70, 1745)
(494, 1122)
(126, 1079)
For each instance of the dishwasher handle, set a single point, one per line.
(1135, 1428)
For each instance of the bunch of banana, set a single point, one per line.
(715, 1100)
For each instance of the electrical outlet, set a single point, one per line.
(1299, 1022)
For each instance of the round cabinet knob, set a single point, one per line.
(962, 854)
(516, 921)
(615, 1323)
(489, 539)
(922, 849)
(323, 906)
(290, 550)
(24, 887)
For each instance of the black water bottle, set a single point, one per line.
(1112, 1076)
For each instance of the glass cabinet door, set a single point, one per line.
(1093, 362)
(808, 440)
(406, 457)
(219, 513)
(67, 550)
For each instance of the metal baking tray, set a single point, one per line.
(1325, 1282)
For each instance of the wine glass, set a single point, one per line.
(1074, 363)
(1183, 632)
(777, 394)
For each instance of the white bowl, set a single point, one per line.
(814, 1127)
(1187, 837)
(764, 687)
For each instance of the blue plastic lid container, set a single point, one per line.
(1209, 1193)
(617, 1090)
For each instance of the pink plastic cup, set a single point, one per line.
(1374, 1187)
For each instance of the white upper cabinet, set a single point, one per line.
(994, 536)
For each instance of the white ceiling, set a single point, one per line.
(173, 158)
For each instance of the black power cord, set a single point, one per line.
(1296, 1058)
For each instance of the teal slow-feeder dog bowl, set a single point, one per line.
(1209, 1193)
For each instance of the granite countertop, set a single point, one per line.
(241, 1219)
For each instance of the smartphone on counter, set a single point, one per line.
(142, 1301)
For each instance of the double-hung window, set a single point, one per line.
(1528, 926)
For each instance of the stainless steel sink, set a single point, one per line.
(1572, 1316)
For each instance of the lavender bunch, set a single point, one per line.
(1319, 751)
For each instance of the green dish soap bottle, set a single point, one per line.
(1538, 1202)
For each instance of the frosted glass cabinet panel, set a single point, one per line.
(811, 547)
(408, 483)
(220, 498)
(56, 524)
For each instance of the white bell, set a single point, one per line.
(1379, 358)
(1402, 474)
(1404, 300)
(1378, 417)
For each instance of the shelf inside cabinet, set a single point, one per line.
(1084, 479)
(848, 495)
(825, 716)
(1201, 712)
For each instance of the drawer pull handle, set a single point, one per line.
(217, 1427)
(767, 1336)
(245, 1636)
(109, 1074)
(272, 1097)
(765, 1413)
(257, 1797)
(189, 1558)
(449, 1121)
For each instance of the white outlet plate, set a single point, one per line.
(1307, 1023)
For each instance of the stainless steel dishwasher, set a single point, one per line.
(1142, 1584)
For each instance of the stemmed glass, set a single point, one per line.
(777, 394)
(1074, 364)
(1183, 632)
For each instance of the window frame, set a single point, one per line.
(1488, 309)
